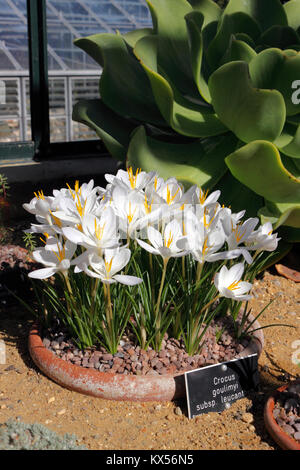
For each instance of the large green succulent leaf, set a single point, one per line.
(265, 12)
(238, 50)
(209, 9)
(252, 114)
(292, 10)
(124, 86)
(286, 136)
(258, 165)
(281, 214)
(173, 44)
(132, 37)
(194, 119)
(292, 149)
(279, 36)
(230, 24)
(109, 126)
(244, 37)
(194, 23)
(190, 163)
(274, 69)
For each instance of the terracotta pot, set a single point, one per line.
(280, 437)
(113, 386)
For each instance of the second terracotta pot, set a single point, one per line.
(281, 438)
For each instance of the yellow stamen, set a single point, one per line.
(169, 241)
(202, 196)
(76, 189)
(80, 208)
(170, 198)
(108, 265)
(56, 220)
(234, 285)
(148, 207)
(207, 224)
(76, 186)
(205, 247)
(61, 253)
(130, 214)
(132, 177)
(46, 235)
(79, 226)
(270, 233)
(72, 194)
(239, 233)
(99, 230)
(40, 195)
(155, 183)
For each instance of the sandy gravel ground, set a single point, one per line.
(26, 394)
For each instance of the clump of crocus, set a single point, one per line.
(143, 255)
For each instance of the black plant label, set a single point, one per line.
(215, 387)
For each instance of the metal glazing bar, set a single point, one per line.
(23, 107)
(64, 20)
(38, 65)
(126, 14)
(10, 56)
(69, 108)
(94, 16)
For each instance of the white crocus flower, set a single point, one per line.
(202, 198)
(229, 284)
(171, 191)
(128, 207)
(130, 179)
(202, 243)
(151, 213)
(231, 218)
(153, 186)
(72, 209)
(166, 244)
(96, 233)
(239, 233)
(56, 256)
(106, 268)
(40, 206)
(84, 191)
(263, 239)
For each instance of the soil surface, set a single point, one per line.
(29, 396)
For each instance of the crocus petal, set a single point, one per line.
(235, 273)
(74, 235)
(119, 260)
(154, 237)
(147, 247)
(47, 258)
(43, 273)
(128, 280)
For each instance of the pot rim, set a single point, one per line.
(115, 386)
(280, 437)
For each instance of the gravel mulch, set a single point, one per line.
(131, 359)
(287, 410)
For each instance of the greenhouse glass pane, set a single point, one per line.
(71, 19)
(14, 66)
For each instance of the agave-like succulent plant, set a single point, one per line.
(210, 96)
